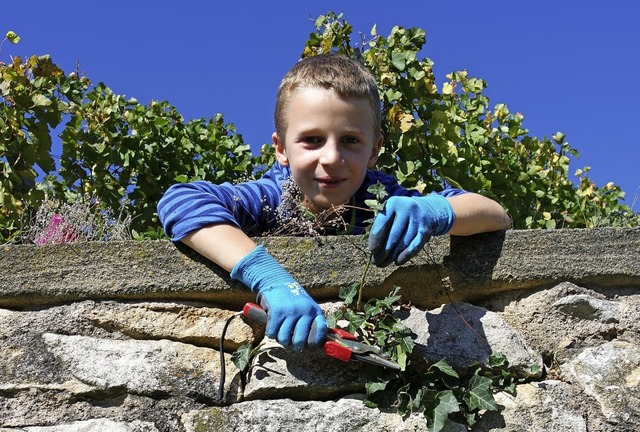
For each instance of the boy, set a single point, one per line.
(327, 138)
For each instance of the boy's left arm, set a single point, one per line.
(406, 224)
(477, 214)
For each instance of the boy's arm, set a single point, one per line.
(477, 214)
(223, 244)
(406, 224)
(291, 312)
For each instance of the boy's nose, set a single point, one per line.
(330, 154)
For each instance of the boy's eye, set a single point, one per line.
(312, 140)
(350, 140)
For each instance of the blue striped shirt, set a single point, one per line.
(251, 206)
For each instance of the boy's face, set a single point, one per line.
(329, 143)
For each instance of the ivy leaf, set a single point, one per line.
(407, 343)
(375, 386)
(480, 396)
(444, 367)
(401, 357)
(498, 360)
(448, 402)
(242, 356)
(381, 393)
(374, 205)
(438, 406)
(348, 293)
(355, 321)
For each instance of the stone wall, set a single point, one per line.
(125, 336)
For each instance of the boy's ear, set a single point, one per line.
(281, 152)
(375, 151)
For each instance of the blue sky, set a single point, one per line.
(567, 66)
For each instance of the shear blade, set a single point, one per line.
(375, 360)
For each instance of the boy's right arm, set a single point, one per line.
(291, 311)
(227, 253)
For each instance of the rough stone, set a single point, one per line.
(309, 375)
(542, 319)
(197, 325)
(148, 368)
(538, 407)
(477, 267)
(586, 307)
(344, 415)
(611, 374)
(97, 425)
(464, 334)
(84, 347)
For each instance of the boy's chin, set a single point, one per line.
(319, 206)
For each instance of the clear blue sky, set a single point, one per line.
(567, 66)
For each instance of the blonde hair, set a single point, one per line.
(339, 73)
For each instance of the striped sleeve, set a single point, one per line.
(186, 207)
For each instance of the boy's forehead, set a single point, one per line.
(319, 99)
(327, 94)
(310, 108)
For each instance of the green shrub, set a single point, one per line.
(452, 134)
(122, 152)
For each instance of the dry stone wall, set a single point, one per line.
(125, 336)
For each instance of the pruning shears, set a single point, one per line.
(338, 343)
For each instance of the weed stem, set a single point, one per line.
(362, 279)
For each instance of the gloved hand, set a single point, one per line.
(290, 310)
(405, 225)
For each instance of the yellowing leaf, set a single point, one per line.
(393, 113)
(12, 37)
(452, 148)
(406, 122)
(40, 100)
(447, 88)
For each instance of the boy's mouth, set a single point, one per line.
(330, 182)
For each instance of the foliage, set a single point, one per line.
(454, 136)
(114, 148)
(127, 154)
(442, 393)
(117, 148)
(35, 94)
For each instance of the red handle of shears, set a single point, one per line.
(330, 347)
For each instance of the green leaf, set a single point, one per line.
(355, 321)
(479, 396)
(242, 356)
(380, 399)
(401, 357)
(498, 360)
(348, 293)
(448, 402)
(374, 205)
(399, 60)
(444, 367)
(375, 386)
(438, 406)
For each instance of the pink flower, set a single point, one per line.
(57, 232)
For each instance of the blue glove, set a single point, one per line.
(291, 312)
(405, 225)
